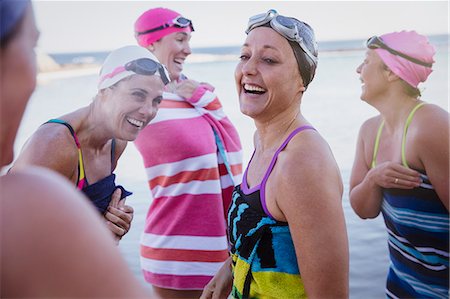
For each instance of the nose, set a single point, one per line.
(149, 109)
(248, 67)
(358, 69)
(187, 49)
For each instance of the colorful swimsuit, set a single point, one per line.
(418, 236)
(263, 253)
(101, 191)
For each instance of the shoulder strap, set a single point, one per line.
(81, 181)
(283, 145)
(113, 153)
(377, 145)
(405, 130)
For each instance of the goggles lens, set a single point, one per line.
(376, 42)
(290, 29)
(148, 67)
(178, 22)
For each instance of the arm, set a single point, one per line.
(432, 144)
(72, 253)
(366, 183)
(309, 195)
(220, 285)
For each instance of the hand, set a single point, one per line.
(118, 215)
(186, 88)
(394, 175)
(221, 284)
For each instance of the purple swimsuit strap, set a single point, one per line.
(272, 164)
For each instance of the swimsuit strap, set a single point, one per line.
(272, 164)
(81, 181)
(405, 130)
(113, 152)
(377, 144)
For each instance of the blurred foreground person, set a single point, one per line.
(53, 242)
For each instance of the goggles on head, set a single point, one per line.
(289, 28)
(178, 22)
(141, 66)
(376, 42)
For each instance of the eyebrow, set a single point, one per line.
(139, 89)
(265, 47)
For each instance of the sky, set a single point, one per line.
(83, 26)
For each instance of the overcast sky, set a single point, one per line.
(75, 26)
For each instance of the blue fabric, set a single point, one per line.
(100, 193)
(11, 11)
(418, 227)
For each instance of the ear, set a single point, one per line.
(391, 76)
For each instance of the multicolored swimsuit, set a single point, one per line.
(418, 236)
(263, 253)
(101, 191)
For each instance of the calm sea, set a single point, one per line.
(331, 103)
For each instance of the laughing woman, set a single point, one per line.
(286, 222)
(85, 145)
(401, 167)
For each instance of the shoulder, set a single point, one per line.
(52, 146)
(308, 157)
(430, 124)
(370, 126)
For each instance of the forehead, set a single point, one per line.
(151, 84)
(266, 37)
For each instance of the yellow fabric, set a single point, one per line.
(267, 284)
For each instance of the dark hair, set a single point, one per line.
(12, 15)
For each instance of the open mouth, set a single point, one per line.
(253, 89)
(135, 122)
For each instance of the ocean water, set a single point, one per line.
(331, 104)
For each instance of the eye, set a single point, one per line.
(269, 60)
(139, 95)
(157, 100)
(244, 57)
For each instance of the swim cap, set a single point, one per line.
(11, 12)
(154, 18)
(412, 44)
(116, 66)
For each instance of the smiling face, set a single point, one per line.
(373, 76)
(131, 104)
(17, 81)
(172, 51)
(267, 77)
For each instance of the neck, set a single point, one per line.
(272, 132)
(92, 129)
(395, 108)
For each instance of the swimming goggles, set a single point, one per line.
(290, 28)
(178, 22)
(141, 66)
(376, 42)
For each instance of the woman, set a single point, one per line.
(401, 166)
(85, 145)
(53, 245)
(192, 156)
(286, 222)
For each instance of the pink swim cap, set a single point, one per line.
(414, 45)
(154, 18)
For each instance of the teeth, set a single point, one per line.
(135, 122)
(253, 88)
